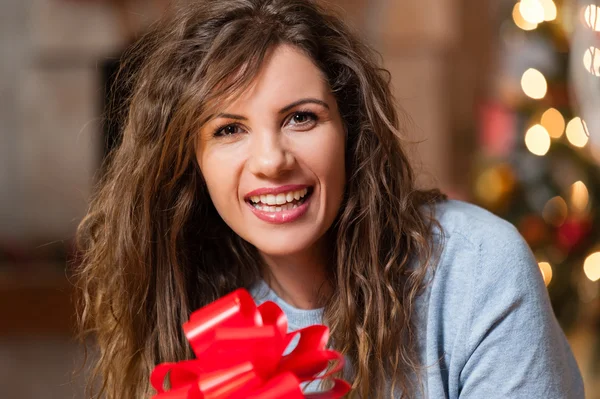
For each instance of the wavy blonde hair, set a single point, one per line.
(153, 247)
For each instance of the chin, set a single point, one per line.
(283, 244)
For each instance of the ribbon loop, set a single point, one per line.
(239, 349)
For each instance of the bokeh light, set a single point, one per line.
(577, 132)
(532, 11)
(555, 211)
(520, 21)
(546, 270)
(591, 60)
(537, 140)
(580, 196)
(554, 122)
(550, 11)
(591, 266)
(494, 184)
(591, 14)
(534, 84)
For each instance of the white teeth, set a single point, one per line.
(282, 199)
(267, 208)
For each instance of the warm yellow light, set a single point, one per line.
(591, 60)
(577, 132)
(579, 196)
(592, 17)
(546, 270)
(591, 266)
(550, 11)
(520, 21)
(555, 211)
(534, 84)
(532, 11)
(494, 183)
(537, 140)
(554, 122)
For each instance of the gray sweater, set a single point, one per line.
(486, 328)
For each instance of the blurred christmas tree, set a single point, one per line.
(539, 169)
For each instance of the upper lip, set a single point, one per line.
(276, 190)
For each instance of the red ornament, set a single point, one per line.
(239, 349)
(572, 232)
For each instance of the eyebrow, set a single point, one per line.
(303, 101)
(281, 111)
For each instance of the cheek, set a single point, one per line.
(220, 180)
(326, 159)
(330, 159)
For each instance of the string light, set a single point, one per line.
(591, 266)
(554, 122)
(550, 11)
(577, 132)
(534, 84)
(532, 11)
(537, 140)
(579, 196)
(591, 60)
(592, 17)
(520, 21)
(546, 270)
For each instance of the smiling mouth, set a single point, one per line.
(280, 202)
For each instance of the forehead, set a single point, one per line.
(286, 75)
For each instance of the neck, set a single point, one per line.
(299, 279)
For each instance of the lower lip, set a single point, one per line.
(286, 216)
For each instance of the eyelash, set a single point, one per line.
(311, 115)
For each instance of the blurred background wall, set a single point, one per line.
(458, 69)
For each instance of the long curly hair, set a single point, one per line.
(153, 247)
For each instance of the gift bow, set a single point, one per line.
(239, 349)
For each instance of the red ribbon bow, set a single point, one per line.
(239, 349)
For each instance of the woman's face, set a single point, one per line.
(273, 159)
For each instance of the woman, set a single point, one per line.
(262, 150)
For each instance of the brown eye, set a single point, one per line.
(302, 118)
(228, 130)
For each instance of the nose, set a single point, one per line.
(270, 157)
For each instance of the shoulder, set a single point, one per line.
(472, 224)
(483, 263)
(484, 242)
(486, 298)
(485, 267)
